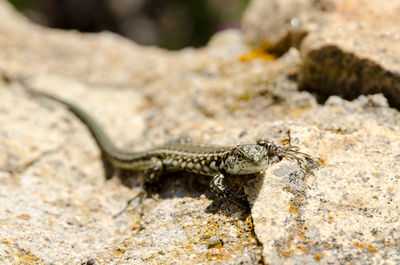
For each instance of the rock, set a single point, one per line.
(348, 48)
(57, 208)
(282, 24)
(346, 210)
(214, 241)
(355, 53)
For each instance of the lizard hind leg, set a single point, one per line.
(152, 174)
(217, 186)
(223, 191)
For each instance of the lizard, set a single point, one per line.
(217, 162)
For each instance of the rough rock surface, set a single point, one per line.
(347, 210)
(58, 209)
(283, 23)
(350, 48)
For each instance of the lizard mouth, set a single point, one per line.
(252, 168)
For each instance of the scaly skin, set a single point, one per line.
(210, 160)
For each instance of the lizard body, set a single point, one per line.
(210, 160)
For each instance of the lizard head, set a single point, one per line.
(247, 159)
(253, 158)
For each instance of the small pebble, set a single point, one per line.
(89, 262)
(214, 241)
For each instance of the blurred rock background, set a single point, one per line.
(171, 24)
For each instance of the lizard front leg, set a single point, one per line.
(223, 191)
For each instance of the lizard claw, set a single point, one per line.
(141, 195)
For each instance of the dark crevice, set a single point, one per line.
(293, 38)
(258, 242)
(330, 71)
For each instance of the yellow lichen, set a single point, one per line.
(358, 244)
(372, 249)
(318, 256)
(284, 253)
(260, 52)
(330, 219)
(24, 216)
(293, 209)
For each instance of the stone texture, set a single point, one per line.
(283, 23)
(350, 48)
(58, 209)
(356, 53)
(346, 211)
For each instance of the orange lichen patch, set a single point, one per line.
(301, 227)
(303, 249)
(189, 246)
(24, 216)
(298, 198)
(260, 52)
(330, 219)
(299, 232)
(321, 161)
(388, 244)
(372, 249)
(318, 256)
(286, 253)
(326, 245)
(245, 96)
(376, 173)
(390, 189)
(302, 236)
(374, 232)
(135, 226)
(293, 209)
(358, 244)
(287, 189)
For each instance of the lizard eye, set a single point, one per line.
(239, 152)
